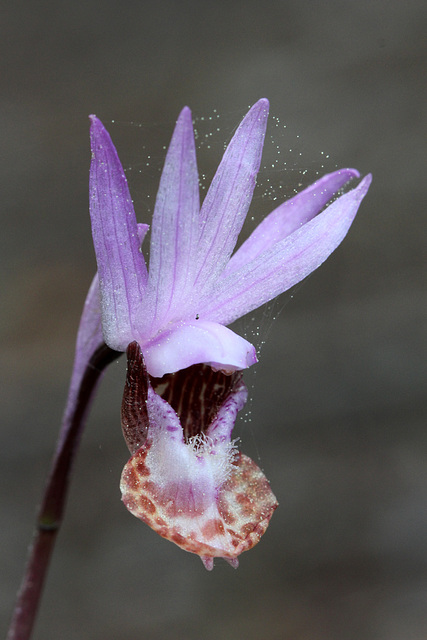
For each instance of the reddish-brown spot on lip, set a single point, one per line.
(132, 479)
(224, 512)
(142, 468)
(247, 528)
(146, 505)
(213, 528)
(177, 538)
(149, 487)
(242, 499)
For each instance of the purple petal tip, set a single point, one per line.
(97, 129)
(262, 106)
(95, 121)
(352, 173)
(185, 114)
(365, 184)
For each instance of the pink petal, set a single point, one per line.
(188, 343)
(286, 263)
(227, 201)
(174, 233)
(290, 216)
(121, 267)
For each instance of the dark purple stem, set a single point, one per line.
(52, 508)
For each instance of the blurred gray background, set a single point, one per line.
(338, 404)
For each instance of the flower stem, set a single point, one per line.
(52, 507)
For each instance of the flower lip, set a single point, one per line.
(187, 481)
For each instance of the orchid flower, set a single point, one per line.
(178, 309)
(184, 389)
